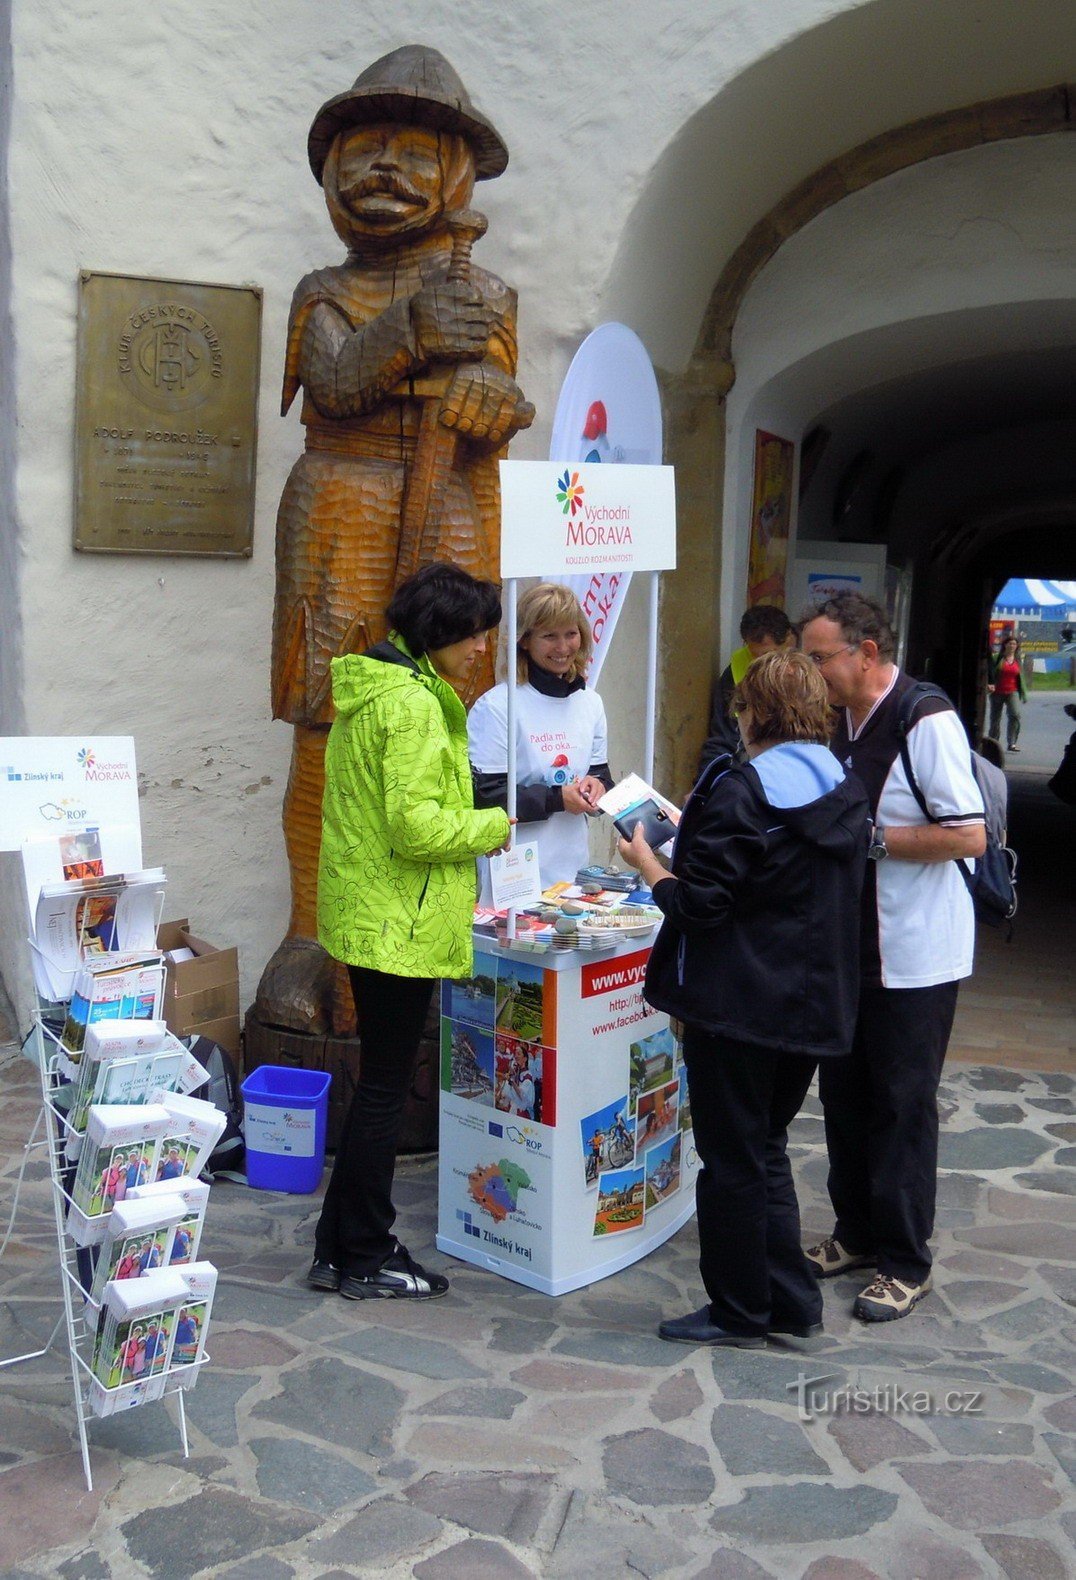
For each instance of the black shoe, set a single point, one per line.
(398, 1278)
(323, 1275)
(793, 1335)
(796, 1330)
(698, 1329)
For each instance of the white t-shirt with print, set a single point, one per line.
(558, 739)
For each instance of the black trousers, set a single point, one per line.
(742, 1101)
(354, 1231)
(881, 1113)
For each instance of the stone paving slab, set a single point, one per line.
(503, 1433)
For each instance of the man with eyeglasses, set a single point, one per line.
(917, 940)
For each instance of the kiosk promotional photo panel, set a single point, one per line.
(565, 1149)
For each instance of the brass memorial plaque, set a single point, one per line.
(166, 417)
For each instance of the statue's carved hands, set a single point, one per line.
(452, 322)
(485, 404)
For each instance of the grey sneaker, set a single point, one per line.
(398, 1278)
(885, 1298)
(829, 1257)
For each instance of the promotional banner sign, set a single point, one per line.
(609, 411)
(65, 785)
(559, 521)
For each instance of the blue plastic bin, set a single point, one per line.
(285, 1117)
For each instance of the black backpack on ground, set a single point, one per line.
(992, 886)
(222, 1090)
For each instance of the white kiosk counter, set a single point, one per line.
(566, 1150)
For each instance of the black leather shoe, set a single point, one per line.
(698, 1329)
(323, 1275)
(796, 1330)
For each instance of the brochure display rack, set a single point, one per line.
(171, 1366)
(566, 1150)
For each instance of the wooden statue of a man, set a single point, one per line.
(406, 356)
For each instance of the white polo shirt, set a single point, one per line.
(919, 921)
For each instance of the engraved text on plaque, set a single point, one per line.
(166, 422)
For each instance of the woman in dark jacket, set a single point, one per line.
(758, 955)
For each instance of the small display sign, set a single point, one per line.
(561, 519)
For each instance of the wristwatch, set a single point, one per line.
(877, 850)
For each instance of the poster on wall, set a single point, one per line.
(771, 515)
(609, 411)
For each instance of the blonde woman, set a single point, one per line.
(561, 749)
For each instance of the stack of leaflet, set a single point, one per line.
(192, 1321)
(195, 1127)
(124, 1061)
(138, 1240)
(120, 1151)
(111, 987)
(86, 919)
(134, 1336)
(194, 1194)
(151, 1333)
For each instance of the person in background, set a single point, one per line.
(917, 941)
(1007, 690)
(396, 894)
(758, 957)
(561, 734)
(762, 630)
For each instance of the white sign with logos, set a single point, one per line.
(64, 784)
(514, 877)
(561, 520)
(284, 1132)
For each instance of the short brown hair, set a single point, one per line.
(545, 608)
(786, 696)
(762, 621)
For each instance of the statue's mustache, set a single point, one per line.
(384, 181)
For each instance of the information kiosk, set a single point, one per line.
(566, 1150)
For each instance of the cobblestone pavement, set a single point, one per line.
(503, 1433)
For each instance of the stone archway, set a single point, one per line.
(695, 400)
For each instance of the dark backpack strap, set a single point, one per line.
(905, 718)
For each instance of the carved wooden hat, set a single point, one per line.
(415, 85)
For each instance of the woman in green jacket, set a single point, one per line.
(396, 888)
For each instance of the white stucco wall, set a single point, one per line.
(171, 140)
(949, 260)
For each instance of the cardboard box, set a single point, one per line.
(201, 996)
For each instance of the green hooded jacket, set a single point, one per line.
(396, 878)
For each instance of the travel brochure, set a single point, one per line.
(151, 1333)
(123, 1061)
(112, 987)
(138, 1240)
(85, 896)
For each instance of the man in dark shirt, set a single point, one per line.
(761, 630)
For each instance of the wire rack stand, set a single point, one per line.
(80, 1313)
